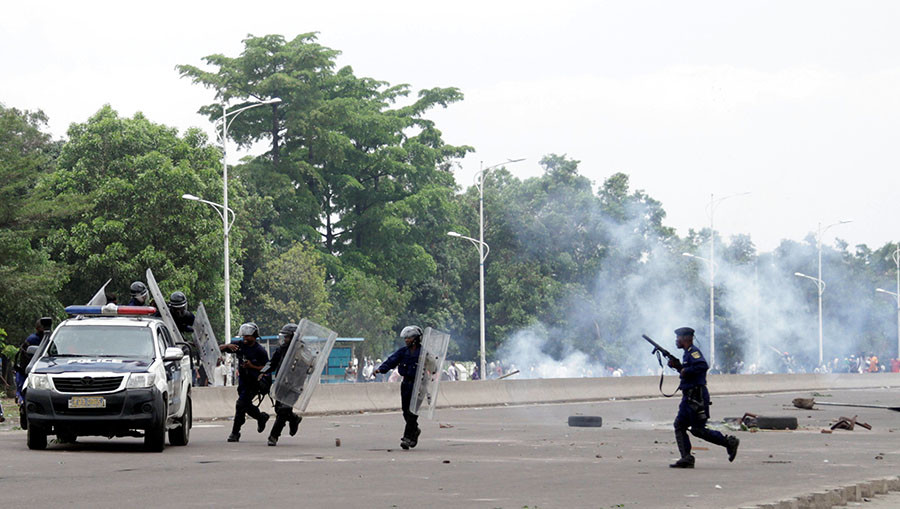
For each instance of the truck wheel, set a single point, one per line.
(155, 436)
(37, 439)
(182, 434)
(776, 422)
(585, 421)
(23, 417)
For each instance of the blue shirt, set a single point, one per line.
(693, 369)
(405, 360)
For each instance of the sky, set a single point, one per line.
(796, 103)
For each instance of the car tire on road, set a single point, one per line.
(37, 439)
(763, 422)
(182, 434)
(155, 436)
(585, 421)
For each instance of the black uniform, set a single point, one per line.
(693, 412)
(406, 360)
(283, 413)
(248, 386)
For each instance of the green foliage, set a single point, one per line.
(290, 287)
(130, 173)
(367, 306)
(29, 278)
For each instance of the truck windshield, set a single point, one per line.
(102, 341)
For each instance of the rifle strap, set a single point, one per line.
(662, 375)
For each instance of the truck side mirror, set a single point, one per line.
(32, 350)
(173, 354)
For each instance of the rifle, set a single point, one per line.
(660, 353)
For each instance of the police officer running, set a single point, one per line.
(406, 359)
(139, 294)
(693, 412)
(283, 413)
(252, 357)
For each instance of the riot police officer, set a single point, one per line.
(693, 412)
(252, 357)
(183, 318)
(283, 413)
(406, 359)
(140, 296)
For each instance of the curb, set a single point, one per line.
(827, 498)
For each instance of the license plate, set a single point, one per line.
(87, 402)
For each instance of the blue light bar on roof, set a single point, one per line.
(111, 310)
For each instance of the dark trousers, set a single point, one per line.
(688, 419)
(283, 414)
(412, 420)
(243, 408)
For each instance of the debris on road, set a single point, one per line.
(807, 404)
(585, 421)
(848, 423)
(444, 426)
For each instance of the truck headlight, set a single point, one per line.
(140, 380)
(39, 382)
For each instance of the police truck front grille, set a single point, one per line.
(87, 383)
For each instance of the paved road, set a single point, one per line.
(509, 457)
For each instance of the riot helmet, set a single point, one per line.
(249, 329)
(139, 291)
(178, 300)
(410, 331)
(287, 332)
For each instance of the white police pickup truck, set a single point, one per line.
(109, 371)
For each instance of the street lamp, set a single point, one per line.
(819, 279)
(712, 301)
(820, 286)
(896, 295)
(227, 215)
(227, 226)
(483, 248)
(712, 274)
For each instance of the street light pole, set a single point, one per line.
(712, 276)
(481, 245)
(226, 226)
(822, 286)
(896, 295)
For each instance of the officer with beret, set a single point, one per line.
(693, 412)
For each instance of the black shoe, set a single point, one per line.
(273, 441)
(686, 462)
(415, 439)
(404, 443)
(234, 437)
(2, 419)
(295, 424)
(732, 446)
(261, 422)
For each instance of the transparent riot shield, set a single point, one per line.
(205, 341)
(428, 372)
(160, 303)
(99, 298)
(302, 365)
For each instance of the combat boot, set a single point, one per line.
(234, 437)
(294, 424)
(273, 440)
(732, 446)
(261, 422)
(415, 438)
(685, 462)
(404, 443)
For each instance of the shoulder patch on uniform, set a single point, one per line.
(695, 355)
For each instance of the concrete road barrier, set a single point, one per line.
(218, 402)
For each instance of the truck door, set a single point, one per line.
(174, 373)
